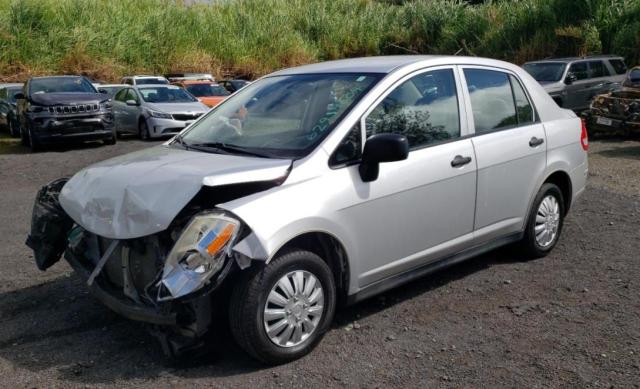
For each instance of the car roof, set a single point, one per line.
(153, 86)
(113, 85)
(384, 64)
(192, 82)
(574, 59)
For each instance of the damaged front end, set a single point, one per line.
(165, 279)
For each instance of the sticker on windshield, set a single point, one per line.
(361, 78)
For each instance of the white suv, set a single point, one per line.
(144, 80)
(313, 185)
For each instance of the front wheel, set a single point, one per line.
(143, 130)
(544, 223)
(280, 312)
(14, 128)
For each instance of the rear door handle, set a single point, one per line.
(459, 160)
(535, 142)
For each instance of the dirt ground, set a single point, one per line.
(568, 320)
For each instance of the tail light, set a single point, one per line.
(584, 137)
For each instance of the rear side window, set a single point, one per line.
(492, 101)
(423, 108)
(618, 65)
(597, 69)
(580, 70)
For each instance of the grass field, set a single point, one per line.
(108, 38)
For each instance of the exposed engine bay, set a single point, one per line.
(165, 279)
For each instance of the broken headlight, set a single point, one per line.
(198, 254)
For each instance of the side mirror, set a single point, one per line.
(381, 148)
(103, 91)
(19, 96)
(131, 102)
(570, 79)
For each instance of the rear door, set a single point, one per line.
(601, 80)
(510, 150)
(131, 113)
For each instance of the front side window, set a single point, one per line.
(60, 84)
(597, 69)
(618, 65)
(350, 149)
(281, 116)
(165, 94)
(131, 95)
(492, 101)
(579, 70)
(423, 108)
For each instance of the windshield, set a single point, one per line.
(206, 90)
(60, 84)
(634, 75)
(546, 71)
(283, 116)
(165, 94)
(151, 81)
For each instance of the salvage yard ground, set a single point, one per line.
(568, 320)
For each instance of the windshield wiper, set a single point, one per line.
(232, 149)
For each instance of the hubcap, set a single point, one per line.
(293, 309)
(547, 221)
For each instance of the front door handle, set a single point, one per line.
(535, 142)
(459, 160)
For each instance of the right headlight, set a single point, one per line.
(198, 254)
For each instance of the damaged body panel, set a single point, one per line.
(128, 197)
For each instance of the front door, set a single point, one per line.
(422, 208)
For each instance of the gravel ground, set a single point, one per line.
(568, 320)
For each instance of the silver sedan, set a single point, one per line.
(153, 111)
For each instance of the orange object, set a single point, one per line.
(220, 240)
(208, 92)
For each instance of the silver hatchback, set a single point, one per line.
(316, 185)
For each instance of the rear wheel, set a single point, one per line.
(544, 223)
(281, 311)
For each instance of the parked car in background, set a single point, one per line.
(144, 80)
(208, 92)
(8, 108)
(573, 82)
(618, 111)
(173, 77)
(111, 89)
(63, 109)
(339, 181)
(153, 111)
(234, 85)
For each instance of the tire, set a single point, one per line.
(249, 300)
(24, 137)
(110, 141)
(532, 244)
(33, 143)
(143, 130)
(14, 130)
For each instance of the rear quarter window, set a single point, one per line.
(618, 66)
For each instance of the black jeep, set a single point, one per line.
(61, 109)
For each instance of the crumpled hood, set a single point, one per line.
(140, 193)
(62, 98)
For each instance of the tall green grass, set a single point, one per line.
(109, 38)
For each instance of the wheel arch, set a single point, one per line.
(562, 180)
(330, 249)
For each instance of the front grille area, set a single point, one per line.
(186, 116)
(74, 109)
